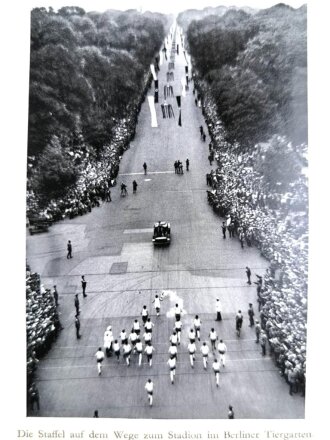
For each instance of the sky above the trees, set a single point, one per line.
(164, 6)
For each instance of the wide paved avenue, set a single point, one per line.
(112, 247)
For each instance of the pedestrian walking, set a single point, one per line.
(201, 130)
(205, 352)
(83, 285)
(139, 350)
(145, 168)
(149, 386)
(116, 349)
(216, 369)
(204, 139)
(55, 295)
(149, 349)
(135, 185)
(76, 304)
(127, 350)
(172, 364)
(177, 329)
(218, 310)
(248, 274)
(213, 338)
(173, 350)
(149, 325)
(77, 325)
(251, 315)
(263, 342)
(144, 314)
(99, 359)
(197, 327)
(34, 397)
(107, 340)
(231, 414)
(157, 305)
(187, 164)
(222, 349)
(69, 248)
(239, 322)
(177, 312)
(192, 351)
(257, 330)
(123, 189)
(123, 337)
(223, 227)
(96, 414)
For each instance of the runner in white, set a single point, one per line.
(149, 386)
(205, 352)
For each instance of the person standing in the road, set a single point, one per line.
(205, 352)
(33, 394)
(55, 294)
(218, 310)
(77, 325)
(99, 359)
(172, 364)
(223, 227)
(192, 351)
(157, 305)
(222, 349)
(76, 304)
(149, 386)
(263, 342)
(177, 329)
(135, 185)
(248, 274)
(197, 327)
(231, 414)
(257, 330)
(83, 285)
(239, 322)
(213, 338)
(145, 168)
(187, 164)
(148, 351)
(251, 315)
(216, 369)
(69, 247)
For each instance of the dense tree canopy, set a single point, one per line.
(86, 69)
(256, 67)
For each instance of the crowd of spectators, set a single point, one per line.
(277, 223)
(42, 322)
(97, 172)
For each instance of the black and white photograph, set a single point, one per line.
(167, 195)
(167, 213)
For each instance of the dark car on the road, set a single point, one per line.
(162, 233)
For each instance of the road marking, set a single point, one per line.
(138, 231)
(151, 172)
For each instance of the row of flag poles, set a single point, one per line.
(184, 82)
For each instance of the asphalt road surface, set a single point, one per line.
(112, 247)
